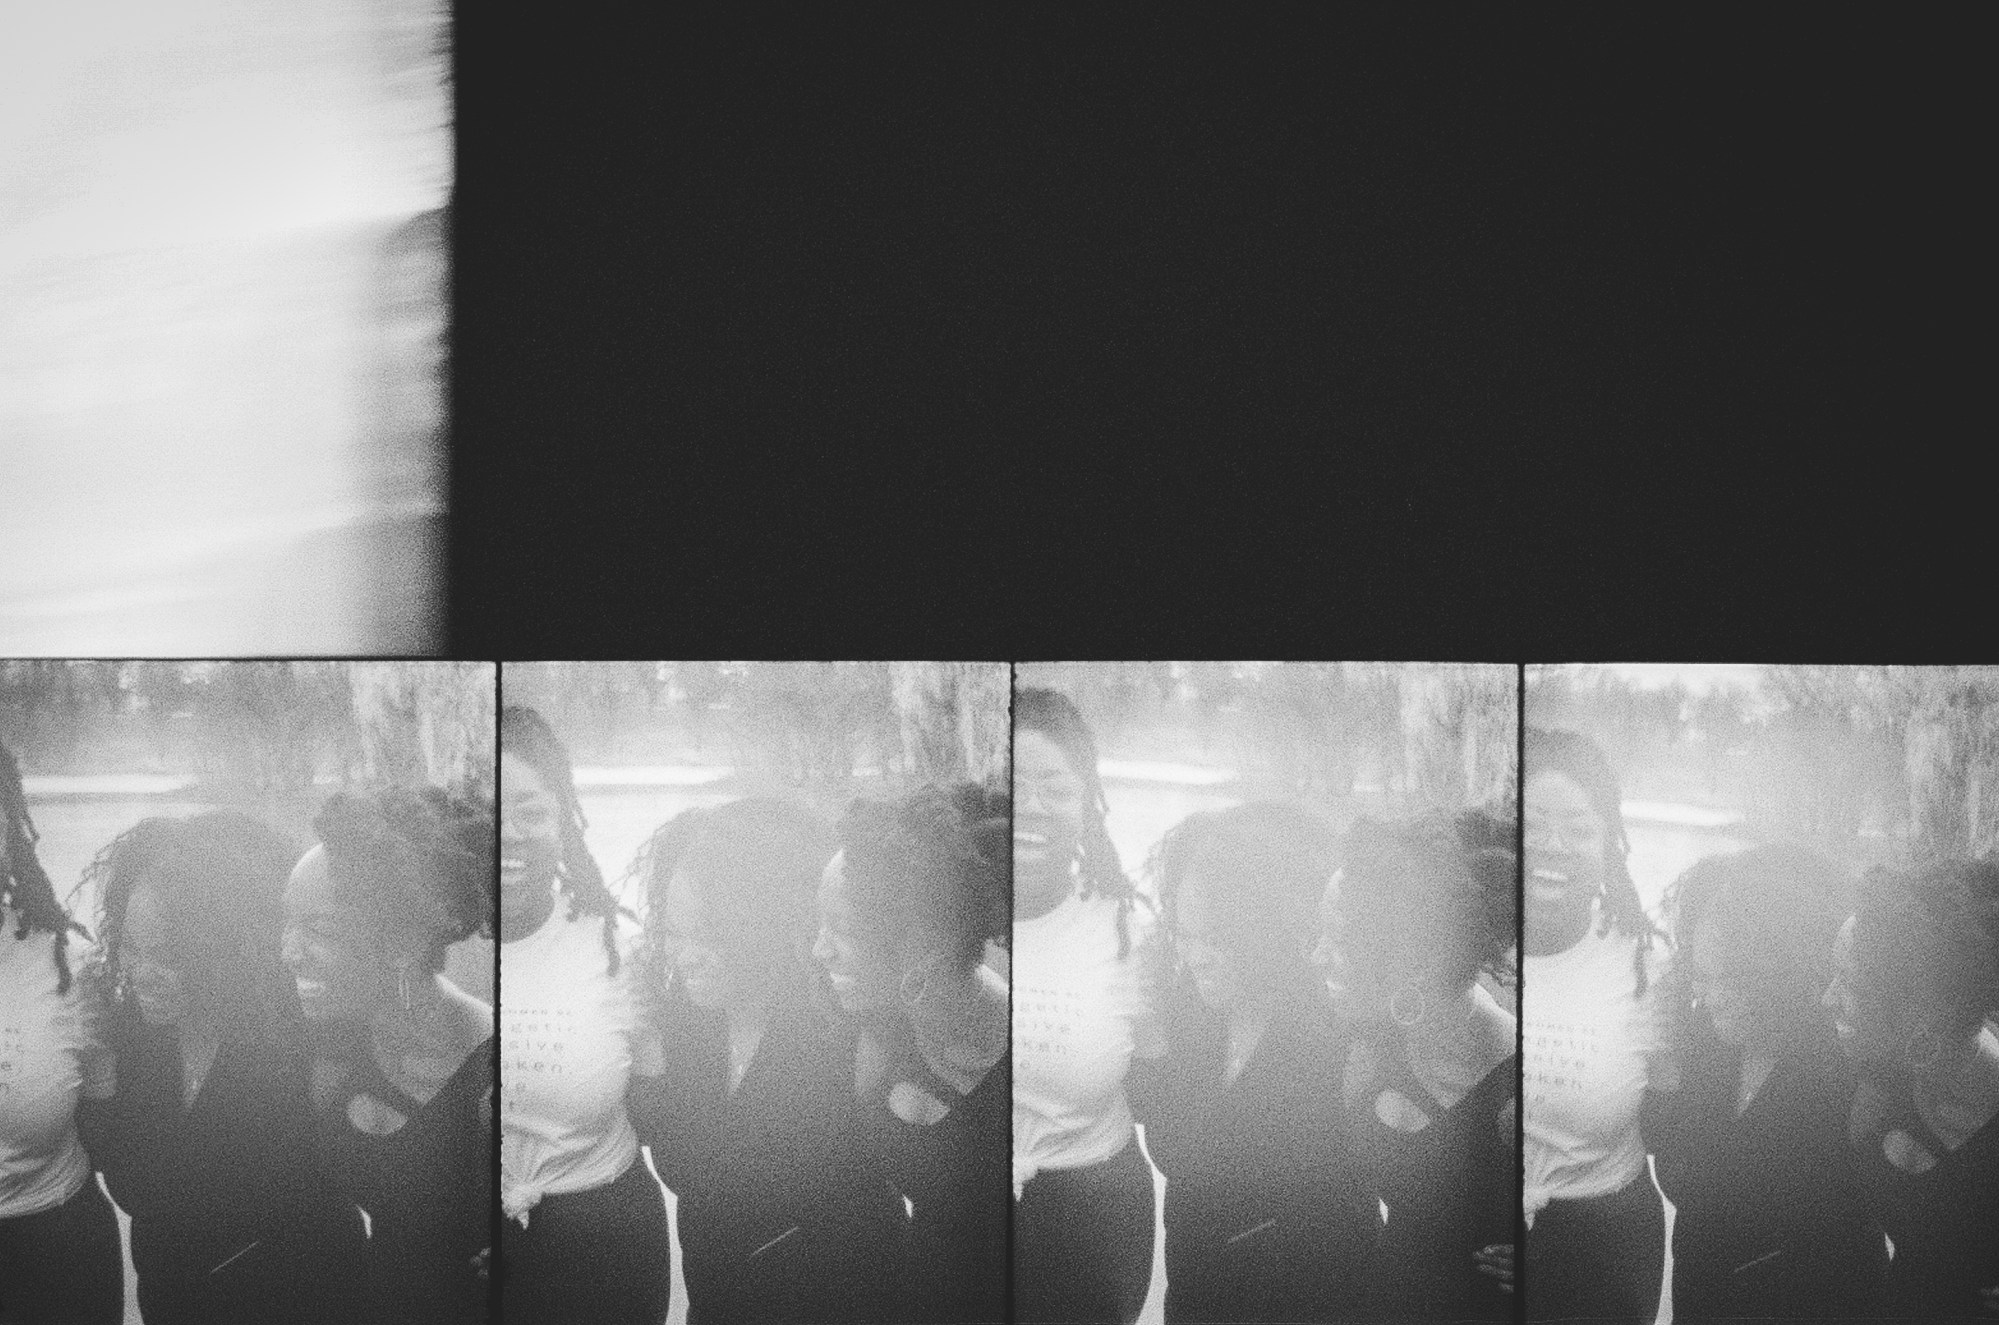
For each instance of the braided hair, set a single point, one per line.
(1268, 862)
(1777, 910)
(1056, 717)
(756, 863)
(935, 862)
(1927, 941)
(24, 884)
(1576, 757)
(221, 878)
(1457, 875)
(392, 850)
(526, 735)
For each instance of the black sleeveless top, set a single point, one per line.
(1770, 1221)
(955, 1174)
(1944, 1221)
(1451, 1189)
(427, 1188)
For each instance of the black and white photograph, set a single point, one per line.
(1265, 1009)
(754, 992)
(224, 296)
(247, 1041)
(1761, 992)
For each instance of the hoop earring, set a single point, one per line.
(921, 974)
(403, 986)
(1398, 1010)
(1932, 1046)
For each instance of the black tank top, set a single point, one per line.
(1944, 1221)
(1450, 1189)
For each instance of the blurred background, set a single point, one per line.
(223, 307)
(103, 745)
(1347, 740)
(1870, 765)
(1344, 739)
(650, 739)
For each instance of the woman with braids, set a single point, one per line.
(757, 1129)
(1418, 912)
(1086, 973)
(905, 911)
(1597, 1039)
(407, 1058)
(59, 1252)
(1751, 1149)
(210, 1142)
(584, 1235)
(1914, 991)
(1267, 1218)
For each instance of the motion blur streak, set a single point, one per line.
(223, 296)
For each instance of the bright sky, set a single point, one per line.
(1698, 678)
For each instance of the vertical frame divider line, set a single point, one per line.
(493, 1264)
(1012, 684)
(1520, 993)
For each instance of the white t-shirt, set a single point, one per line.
(49, 1057)
(1079, 1015)
(571, 1034)
(1591, 1046)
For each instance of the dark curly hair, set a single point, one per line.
(756, 863)
(1454, 881)
(24, 884)
(1577, 757)
(391, 849)
(1776, 910)
(1267, 863)
(931, 869)
(1926, 942)
(220, 876)
(526, 735)
(1056, 716)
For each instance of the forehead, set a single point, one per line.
(519, 781)
(1035, 754)
(1552, 791)
(310, 886)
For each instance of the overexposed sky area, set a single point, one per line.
(1698, 678)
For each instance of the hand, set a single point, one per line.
(1497, 1261)
(482, 1260)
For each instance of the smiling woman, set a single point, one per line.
(207, 1142)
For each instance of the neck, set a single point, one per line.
(521, 917)
(1554, 932)
(957, 1013)
(1042, 896)
(1961, 1075)
(419, 1027)
(1450, 1038)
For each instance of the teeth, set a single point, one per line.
(1551, 876)
(1031, 839)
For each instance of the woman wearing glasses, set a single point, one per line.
(1087, 971)
(585, 1229)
